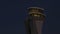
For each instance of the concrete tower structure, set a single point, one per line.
(34, 21)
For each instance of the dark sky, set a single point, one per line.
(13, 14)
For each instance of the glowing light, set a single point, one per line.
(37, 15)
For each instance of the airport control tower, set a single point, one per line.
(34, 21)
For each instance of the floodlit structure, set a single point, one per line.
(34, 21)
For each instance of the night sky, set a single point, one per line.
(13, 14)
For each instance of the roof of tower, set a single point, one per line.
(36, 7)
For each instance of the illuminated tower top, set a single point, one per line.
(36, 12)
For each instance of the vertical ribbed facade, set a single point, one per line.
(34, 21)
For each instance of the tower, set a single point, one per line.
(34, 21)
